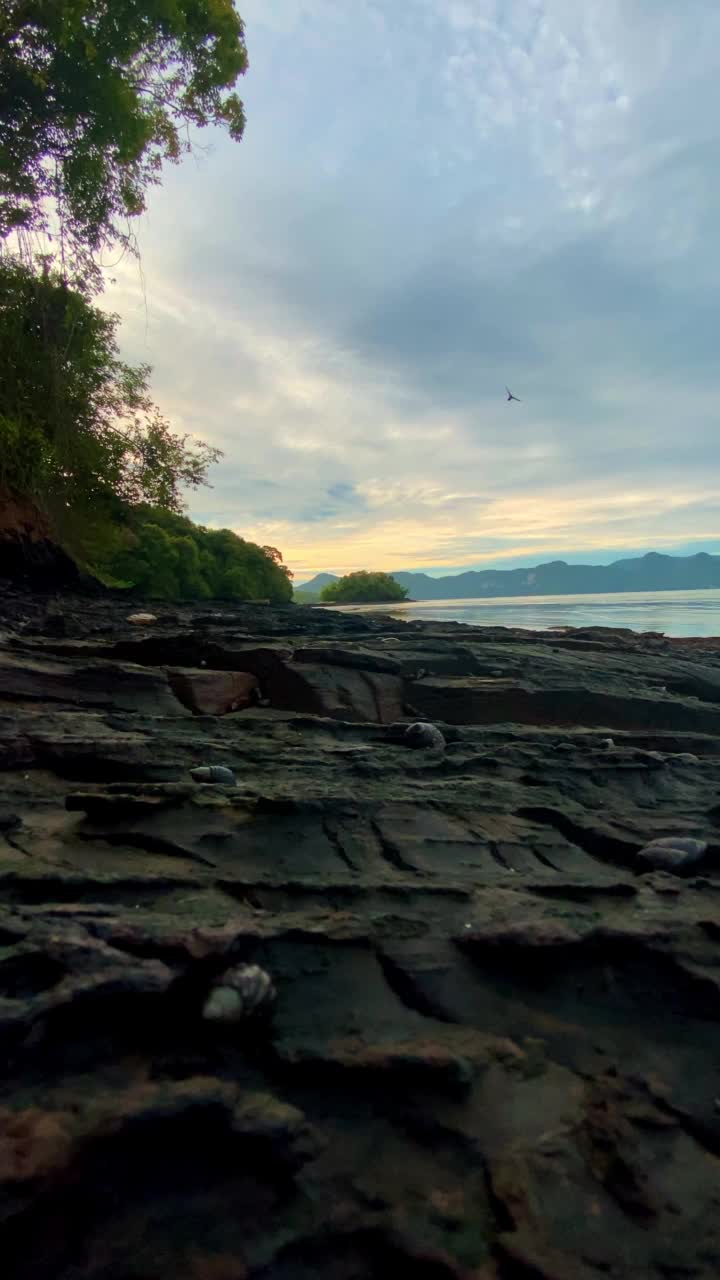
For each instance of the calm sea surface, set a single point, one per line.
(676, 613)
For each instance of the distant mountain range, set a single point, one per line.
(317, 583)
(653, 572)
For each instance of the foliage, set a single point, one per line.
(165, 556)
(363, 588)
(95, 95)
(77, 426)
(305, 597)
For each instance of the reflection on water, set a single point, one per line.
(676, 613)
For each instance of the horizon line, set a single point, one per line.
(670, 555)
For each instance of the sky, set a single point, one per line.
(433, 199)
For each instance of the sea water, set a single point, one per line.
(676, 613)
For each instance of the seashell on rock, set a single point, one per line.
(142, 619)
(239, 993)
(213, 773)
(672, 853)
(423, 736)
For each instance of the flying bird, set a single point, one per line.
(510, 396)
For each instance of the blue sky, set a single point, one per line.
(434, 198)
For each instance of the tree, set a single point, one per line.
(363, 588)
(77, 426)
(95, 95)
(165, 556)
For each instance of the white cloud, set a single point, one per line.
(432, 199)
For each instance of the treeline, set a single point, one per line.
(92, 115)
(166, 556)
(362, 587)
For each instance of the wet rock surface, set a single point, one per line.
(465, 1029)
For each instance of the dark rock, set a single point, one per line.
(424, 737)
(493, 1043)
(345, 693)
(29, 553)
(112, 686)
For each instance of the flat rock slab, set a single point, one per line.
(494, 1045)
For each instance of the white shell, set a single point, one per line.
(213, 773)
(141, 619)
(238, 993)
(672, 852)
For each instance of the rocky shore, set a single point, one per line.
(371, 1001)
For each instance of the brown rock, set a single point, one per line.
(218, 1266)
(213, 693)
(33, 1144)
(28, 550)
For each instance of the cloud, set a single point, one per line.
(432, 200)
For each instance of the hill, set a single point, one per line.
(652, 572)
(317, 583)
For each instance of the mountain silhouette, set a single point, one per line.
(652, 572)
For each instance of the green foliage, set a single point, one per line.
(363, 588)
(306, 597)
(95, 95)
(165, 556)
(77, 425)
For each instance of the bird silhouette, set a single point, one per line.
(510, 396)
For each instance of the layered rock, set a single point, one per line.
(492, 1044)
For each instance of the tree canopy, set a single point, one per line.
(77, 424)
(165, 556)
(95, 95)
(363, 588)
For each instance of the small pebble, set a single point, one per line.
(213, 773)
(607, 743)
(672, 852)
(422, 735)
(142, 619)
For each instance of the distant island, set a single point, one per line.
(652, 572)
(363, 588)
